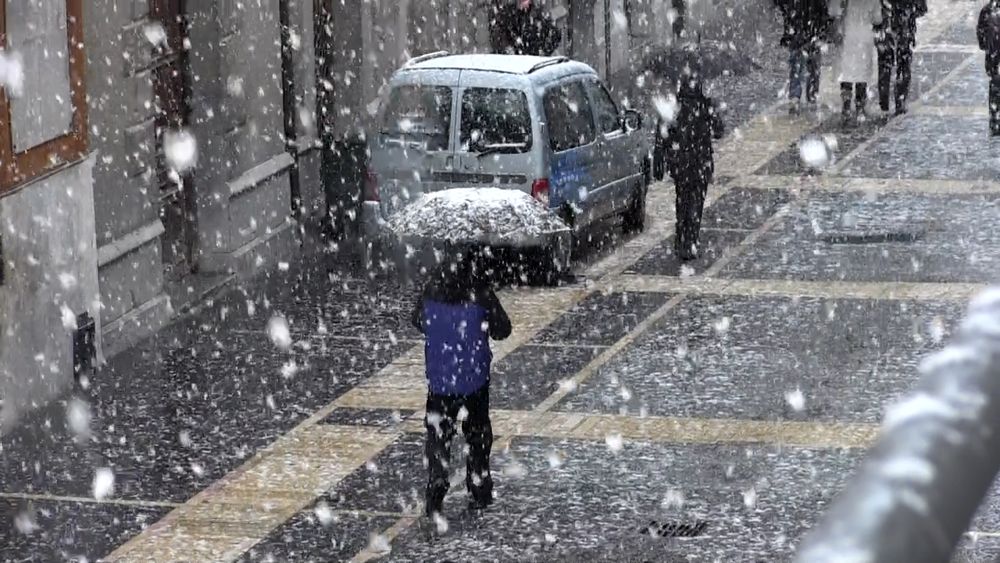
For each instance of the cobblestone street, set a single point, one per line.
(731, 398)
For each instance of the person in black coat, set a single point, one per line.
(458, 313)
(895, 39)
(806, 24)
(689, 158)
(988, 34)
(522, 27)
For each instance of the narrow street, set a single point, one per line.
(647, 412)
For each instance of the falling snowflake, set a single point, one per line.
(68, 317)
(817, 152)
(184, 437)
(750, 498)
(104, 483)
(25, 523)
(796, 400)
(78, 418)
(440, 523)
(11, 73)
(673, 500)
(514, 469)
(281, 336)
(722, 325)
(568, 385)
(615, 442)
(555, 458)
(323, 513)
(937, 329)
(155, 34)
(379, 544)
(181, 150)
(666, 107)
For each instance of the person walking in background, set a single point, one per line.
(988, 34)
(806, 23)
(895, 39)
(522, 27)
(858, 19)
(458, 312)
(690, 160)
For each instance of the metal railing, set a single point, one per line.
(937, 455)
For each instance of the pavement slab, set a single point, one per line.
(969, 88)
(601, 319)
(63, 530)
(528, 375)
(755, 502)
(310, 538)
(713, 244)
(928, 146)
(879, 237)
(741, 357)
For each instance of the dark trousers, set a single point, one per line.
(995, 104)
(440, 420)
(859, 92)
(803, 65)
(690, 204)
(896, 53)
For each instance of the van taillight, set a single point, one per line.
(371, 186)
(540, 191)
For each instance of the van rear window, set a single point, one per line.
(419, 113)
(495, 120)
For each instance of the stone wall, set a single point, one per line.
(50, 266)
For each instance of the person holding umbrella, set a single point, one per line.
(690, 159)
(522, 27)
(458, 312)
(857, 52)
(988, 34)
(895, 39)
(806, 23)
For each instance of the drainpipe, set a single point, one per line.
(607, 39)
(288, 106)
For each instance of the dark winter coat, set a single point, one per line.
(806, 22)
(515, 31)
(899, 20)
(988, 33)
(687, 147)
(458, 315)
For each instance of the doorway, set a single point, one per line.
(171, 88)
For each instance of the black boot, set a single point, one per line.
(434, 499)
(860, 99)
(846, 112)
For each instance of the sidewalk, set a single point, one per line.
(226, 448)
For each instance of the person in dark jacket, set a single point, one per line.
(806, 23)
(988, 33)
(894, 41)
(522, 27)
(458, 313)
(690, 160)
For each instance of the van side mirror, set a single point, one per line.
(631, 120)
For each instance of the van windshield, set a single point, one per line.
(495, 120)
(419, 113)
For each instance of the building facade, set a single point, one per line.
(98, 222)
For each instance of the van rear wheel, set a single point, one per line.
(634, 219)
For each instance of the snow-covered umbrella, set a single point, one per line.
(489, 216)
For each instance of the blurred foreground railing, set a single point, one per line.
(937, 455)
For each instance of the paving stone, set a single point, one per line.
(886, 237)
(44, 530)
(929, 69)
(368, 417)
(932, 147)
(193, 415)
(756, 502)
(738, 357)
(601, 319)
(307, 539)
(661, 260)
(527, 376)
(744, 208)
(394, 480)
(969, 88)
(962, 32)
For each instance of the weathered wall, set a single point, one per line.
(242, 185)
(50, 261)
(121, 112)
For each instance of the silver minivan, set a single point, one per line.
(545, 125)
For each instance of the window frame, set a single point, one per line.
(529, 139)
(596, 90)
(578, 83)
(18, 169)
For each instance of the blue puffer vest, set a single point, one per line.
(457, 347)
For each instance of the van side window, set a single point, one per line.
(495, 119)
(604, 106)
(419, 113)
(569, 116)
